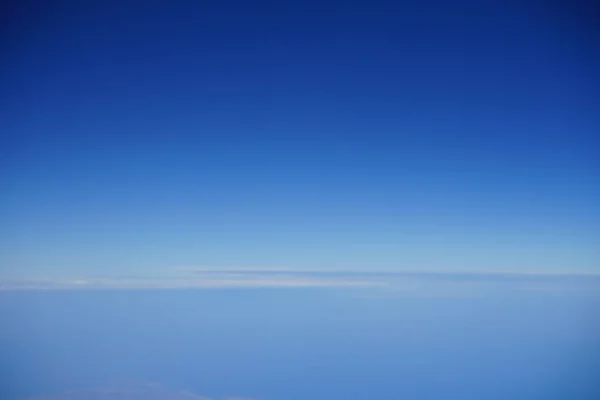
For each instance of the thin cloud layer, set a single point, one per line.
(213, 280)
(429, 283)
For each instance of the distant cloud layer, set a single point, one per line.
(393, 283)
(150, 390)
(199, 280)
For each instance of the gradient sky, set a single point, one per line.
(145, 135)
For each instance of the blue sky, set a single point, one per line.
(142, 136)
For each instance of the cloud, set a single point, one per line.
(139, 391)
(413, 283)
(483, 272)
(205, 282)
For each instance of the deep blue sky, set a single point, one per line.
(145, 135)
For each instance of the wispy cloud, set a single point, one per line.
(195, 282)
(379, 272)
(431, 283)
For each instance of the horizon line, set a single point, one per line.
(248, 277)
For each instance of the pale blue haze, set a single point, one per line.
(306, 344)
